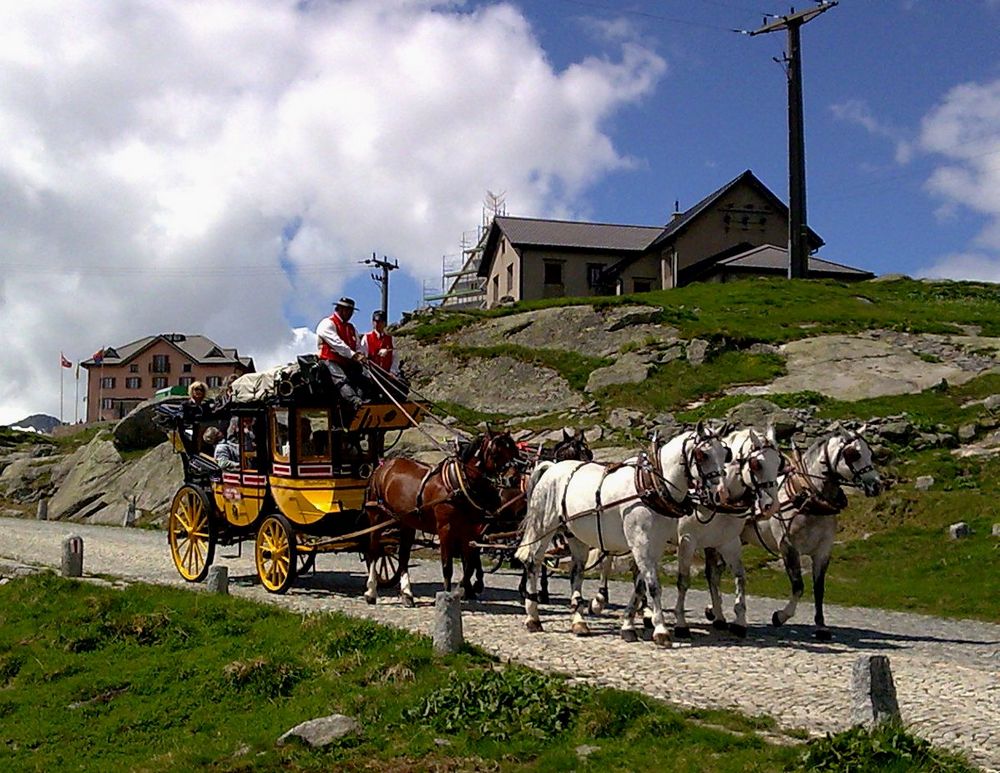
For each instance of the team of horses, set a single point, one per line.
(703, 491)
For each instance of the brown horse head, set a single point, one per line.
(491, 452)
(572, 448)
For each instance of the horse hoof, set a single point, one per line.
(720, 625)
(408, 601)
(478, 587)
(682, 632)
(534, 626)
(822, 634)
(370, 600)
(710, 615)
(776, 620)
(630, 636)
(581, 629)
(596, 607)
(661, 639)
(739, 631)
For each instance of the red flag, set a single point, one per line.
(64, 362)
(98, 357)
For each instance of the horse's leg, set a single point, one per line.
(476, 566)
(470, 560)
(685, 558)
(821, 561)
(646, 562)
(713, 576)
(636, 602)
(732, 553)
(543, 591)
(578, 552)
(793, 568)
(600, 601)
(406, 538)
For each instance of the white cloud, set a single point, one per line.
(858, 112)
(153, 153)
(972, 266)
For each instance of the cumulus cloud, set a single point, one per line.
(858, 112)
(964, 132)
(202, 167)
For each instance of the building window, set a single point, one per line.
(214, 381)
(133, 368)
(161, 363)
(108, 382)
(186, 367)
(107, 402)
(553, 273)
(594, 271)
(510, 278)
(642, 285)
(159, 382)
(503, 246)
(496, 289)
(185, 381)
(133, 383)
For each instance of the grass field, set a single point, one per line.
(154, 679)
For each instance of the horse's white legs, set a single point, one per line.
(371, 587)
(600, 601)
(732, 554)
(647, 563)
(793, 568)
(578, 557)
(713, 576)
(685, 557)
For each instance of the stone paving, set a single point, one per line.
(947, 672)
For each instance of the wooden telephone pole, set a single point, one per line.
(383, 279)
(798, 230)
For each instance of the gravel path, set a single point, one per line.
(947, 672)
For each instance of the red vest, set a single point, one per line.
(375, 344)
(347, 334)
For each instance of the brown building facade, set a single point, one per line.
(119, 378)
(528, 258)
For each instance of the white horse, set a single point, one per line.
(810, 499)
(751, 485)
(628, 507)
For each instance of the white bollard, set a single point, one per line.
(129, 518)
(72, 556)
(447, 636)
(218, 579)
(43, 510)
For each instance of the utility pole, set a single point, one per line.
(798, 230)
(383, 279)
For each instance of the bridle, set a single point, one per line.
(832, 466)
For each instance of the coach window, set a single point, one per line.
(279, 435)
(314, 435)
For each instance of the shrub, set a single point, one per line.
(887, 747)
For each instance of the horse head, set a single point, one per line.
(706, 461)
(573, 447)
(756, 468)
(852, 461)
(495, 451)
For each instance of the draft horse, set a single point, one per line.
(451, 500)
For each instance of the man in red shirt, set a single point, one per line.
(338, 350)
(377, 345)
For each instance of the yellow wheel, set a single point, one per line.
(191, 533)
(275, 552)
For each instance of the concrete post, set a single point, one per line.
(72, 556)
(129, 518)
(218, 579)
(43, 510)
(447, 636)
(873, 692)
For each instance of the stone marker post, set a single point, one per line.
(72, 556)
(129, 518)
(873, 693)
(218, 579)
(43, 510)
(447, 635)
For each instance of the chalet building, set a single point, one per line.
(119, 378)
(739, 230)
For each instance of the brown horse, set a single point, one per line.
(451, 500)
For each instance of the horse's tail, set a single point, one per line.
(534, 527)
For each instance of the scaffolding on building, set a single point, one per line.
(461, 286)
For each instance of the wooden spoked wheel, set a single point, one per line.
(276, 554)
(387, 570)
(191, 533)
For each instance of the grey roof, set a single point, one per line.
(199, 348)
(566, 233)
(768, 256)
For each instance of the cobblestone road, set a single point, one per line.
(947, 672)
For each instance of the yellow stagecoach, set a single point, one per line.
(299, 486)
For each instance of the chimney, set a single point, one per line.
(677, 212)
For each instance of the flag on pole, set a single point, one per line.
(64, 362)
(98, 357)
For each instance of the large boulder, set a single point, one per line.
(138, 430)
(630, 368)
(759, 413)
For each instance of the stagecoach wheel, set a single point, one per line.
(191, 533)
(276, 554)
(387, 570)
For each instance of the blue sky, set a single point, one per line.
(223, 167)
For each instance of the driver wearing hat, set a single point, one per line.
(338, 350)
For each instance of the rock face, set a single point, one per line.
(323, 731)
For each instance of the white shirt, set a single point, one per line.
(327, 331)
(394, 365)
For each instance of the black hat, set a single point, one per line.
(345, 303)
(378, 315)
